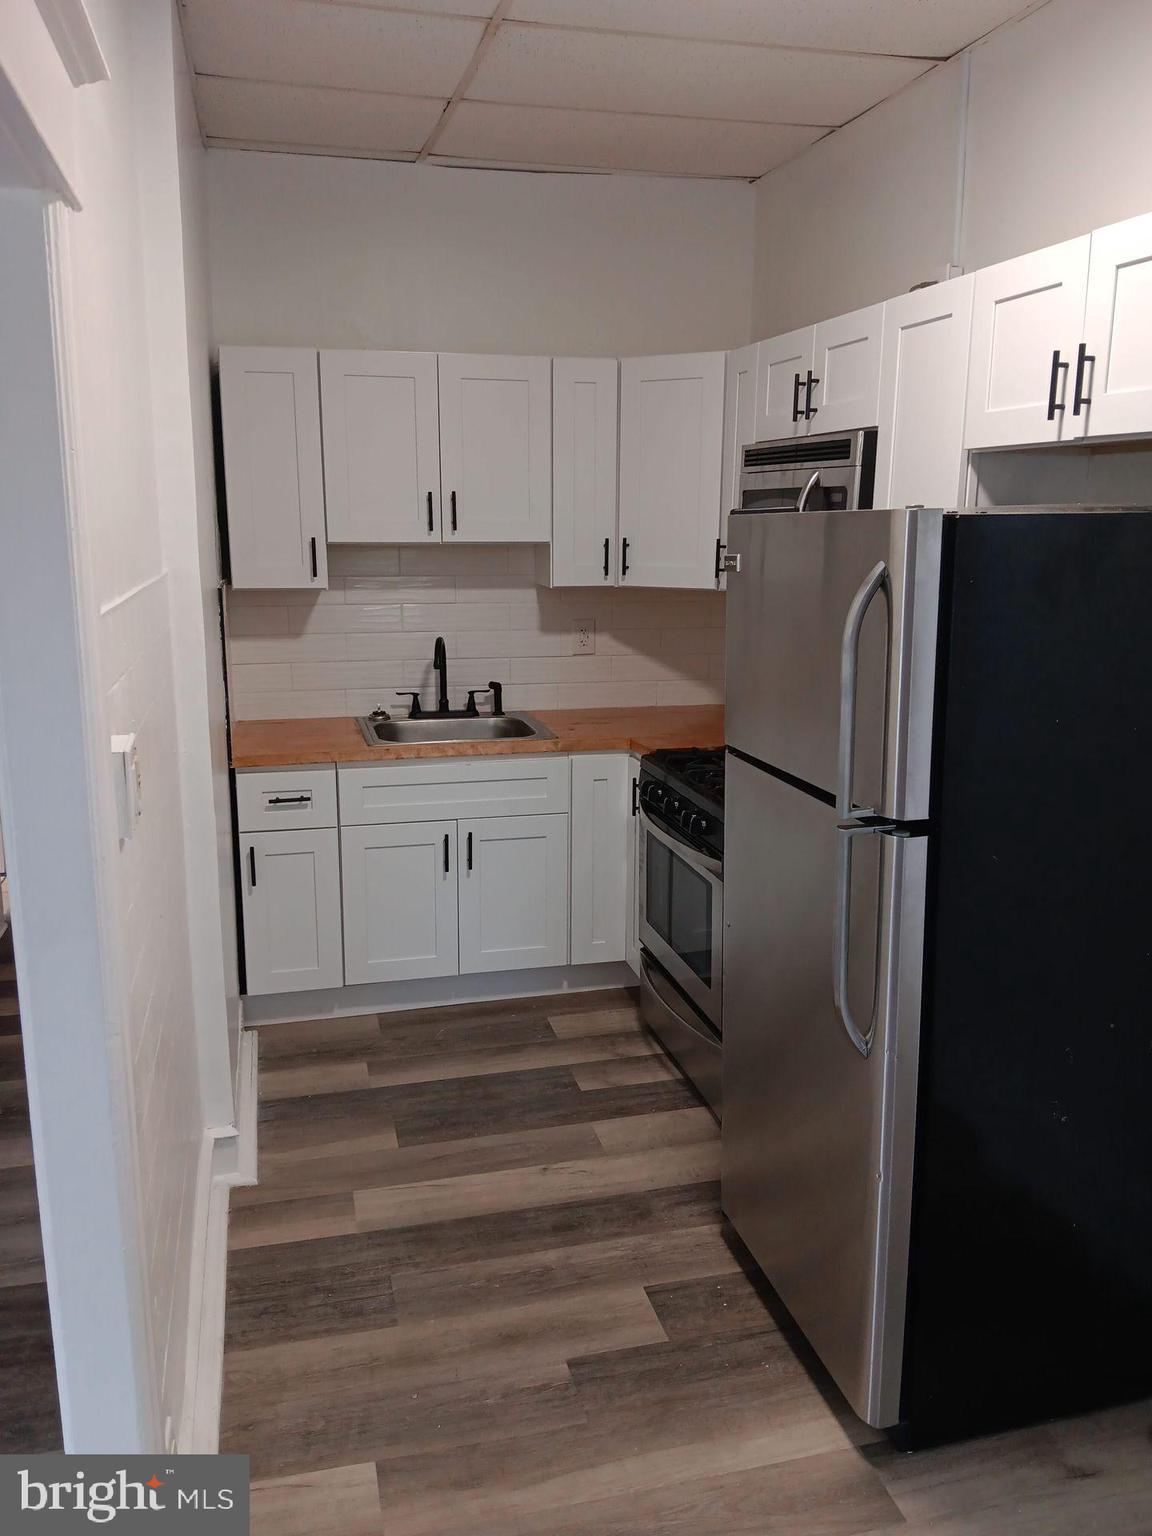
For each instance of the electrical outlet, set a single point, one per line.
(584, 641)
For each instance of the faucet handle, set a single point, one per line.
(407, 693)
(497, 698)
(470, 707)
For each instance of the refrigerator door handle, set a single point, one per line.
(875, 581)
(846, 832)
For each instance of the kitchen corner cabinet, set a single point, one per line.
(585, 442)
(1027, 322)
(381, 418)
(273, 475)
(1118, 330)
(600, 835)
(923, 384)
(513, 884)
(671, 450)
(496, 448)
(400, 908)
(290, 888)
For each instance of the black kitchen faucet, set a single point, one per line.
(440, 667)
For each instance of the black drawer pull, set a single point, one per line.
(431, 520)
(447, 866)
(289, 799)
(469, 850)
(312, 543)
(252, 865)
(623, 558)
(453, 511)
(606, 544)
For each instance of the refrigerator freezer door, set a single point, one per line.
(817, 1137)
(832, 651)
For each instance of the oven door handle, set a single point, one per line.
(702, 860)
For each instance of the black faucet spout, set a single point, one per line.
(440, 667)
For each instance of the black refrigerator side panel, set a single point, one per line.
(1031, 1276)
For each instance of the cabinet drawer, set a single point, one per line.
(280, 800)
(458, 787)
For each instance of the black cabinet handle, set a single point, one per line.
(796, 397)
(431, 518)
(1080, 399)
(469, 850)
(447, 866)
(606, 545)
(252, 866)
(1053, 385)
(453, 500)
(312, 543)
(810, 384)
(720, 546)
(623, 558)
(289, 799)
(635, 787)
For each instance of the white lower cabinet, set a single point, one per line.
(513, 884)
(600, 830)
(400, 907)
(291, 905)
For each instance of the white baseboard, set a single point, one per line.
(391, 997)
(227, 1158)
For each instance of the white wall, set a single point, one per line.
(357, 253)
(1058, 124)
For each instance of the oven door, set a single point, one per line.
(779, 490)
(682, 913)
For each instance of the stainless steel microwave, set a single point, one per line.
(834, 472)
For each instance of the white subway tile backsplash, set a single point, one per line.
(309, 654)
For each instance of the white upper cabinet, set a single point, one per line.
(1114, 365)
(846, 364)
(923, 383)
(381, 446)
(496, 448)
(601, 839)
(513, 892)
(671, 446)
(585, 441)
(270, 414)
(783, 369)
(1027, 323)
(739, 426)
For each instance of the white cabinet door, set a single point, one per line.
(399, 901)
(739, 427)
(671, 447)
(291, 905)
(783, 366)
(496, 448)
(513, 892)
(1116, 372)
(381, 446)
(270, 414)
(600, 817)
(846, 364)
(923, 385)
(1027, 320)
(585, 440)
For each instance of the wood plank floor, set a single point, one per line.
(29, 1409)
(484, 1289)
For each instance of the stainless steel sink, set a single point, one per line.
(429, 728)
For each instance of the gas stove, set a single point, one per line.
(683, 790)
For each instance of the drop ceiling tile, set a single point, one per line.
(440, 7)
(926, 27)
(539, 66)
(549, 136)
(301, 42)
(307, 117)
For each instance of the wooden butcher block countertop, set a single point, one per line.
(301, 743)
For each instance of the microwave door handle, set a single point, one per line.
(875, 581)
(813, 482)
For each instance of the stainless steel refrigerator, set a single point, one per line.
(938, 951)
